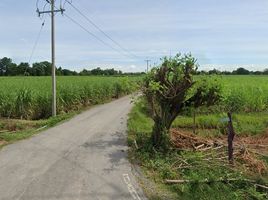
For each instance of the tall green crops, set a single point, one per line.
(241, 94)
(30, 97)
(245, 93)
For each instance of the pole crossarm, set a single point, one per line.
(49, 11)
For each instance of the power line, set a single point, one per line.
(35, 44)
(95, 36)
(105, 34)
(36, 41)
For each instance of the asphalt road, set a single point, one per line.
(82, 159)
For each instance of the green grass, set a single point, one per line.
(157, 166)
(244, 124)
(30, 97)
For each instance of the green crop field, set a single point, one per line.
(30, 97)
(242, 93)
(245, 93)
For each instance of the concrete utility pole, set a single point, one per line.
(54, 94)
(147, 61)
(53, 73)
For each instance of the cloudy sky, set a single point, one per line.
(219, 33)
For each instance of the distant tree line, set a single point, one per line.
(238, 71)
(99, 71)
(8, 68)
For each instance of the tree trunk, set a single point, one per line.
(160, 136)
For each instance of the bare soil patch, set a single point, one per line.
(2, 142)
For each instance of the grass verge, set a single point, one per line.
(212, 124)
(12, 130)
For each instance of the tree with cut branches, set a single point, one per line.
(168, 91)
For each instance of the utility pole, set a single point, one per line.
(147, 61)
(53, 72)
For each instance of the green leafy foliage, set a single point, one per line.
(207, 92)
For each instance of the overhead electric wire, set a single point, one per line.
(95, 36)
(105, 34)
(36, 41)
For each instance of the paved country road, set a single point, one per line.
(82, 159)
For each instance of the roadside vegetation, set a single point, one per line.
(12, 130)
(189, 159)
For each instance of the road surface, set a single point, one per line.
(82, 159)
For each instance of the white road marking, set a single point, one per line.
(130, 187)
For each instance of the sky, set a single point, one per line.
(220, 34)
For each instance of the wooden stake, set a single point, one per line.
(231, 135)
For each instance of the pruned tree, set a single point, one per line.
(167, 89)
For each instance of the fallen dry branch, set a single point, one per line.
(189, 141)
(205, 149)
(219, 147)
(200, 146)
(209, 181)
(255, 152)
(262, 186)
(136, 145)
(41, 128)
(258, 145)
(247, 152)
